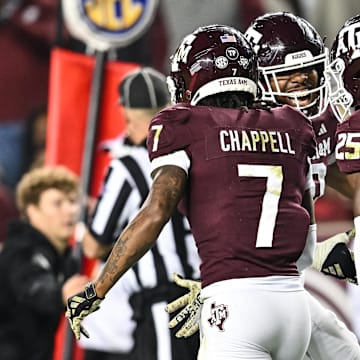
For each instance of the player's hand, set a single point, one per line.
(81, 305)
(333, 257)
(191, 304)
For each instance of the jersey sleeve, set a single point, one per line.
(348, 144)
(325, 127)
(169, 132)
(177, 158)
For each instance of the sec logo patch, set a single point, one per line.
(103, 24)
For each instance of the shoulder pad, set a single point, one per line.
(292, 110)
(170, 131)
(178, 112)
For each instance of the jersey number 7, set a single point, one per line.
(274, 179)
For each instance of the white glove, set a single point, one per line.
(191, 305)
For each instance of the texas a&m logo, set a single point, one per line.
(349, 38)
(219, 313)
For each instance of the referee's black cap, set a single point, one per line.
(144, 88)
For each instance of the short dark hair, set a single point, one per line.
(229, 99)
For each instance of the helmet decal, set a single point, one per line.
(232, 53)
(221, 62)
(343, 73)
(349, 38)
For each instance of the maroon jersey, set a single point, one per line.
(325, 130)
(348, 144)
(245, 185)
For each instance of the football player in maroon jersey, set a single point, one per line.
(240, 173)
(292, 63)
(292, 60)
(344, 75)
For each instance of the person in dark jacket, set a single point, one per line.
(36, 266)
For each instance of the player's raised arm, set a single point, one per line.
(143, 231)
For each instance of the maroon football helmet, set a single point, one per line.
(344, 69)
(211, 60)
(285, 43)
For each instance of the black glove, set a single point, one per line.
(80, 306)
(333, 257)
(340, 264)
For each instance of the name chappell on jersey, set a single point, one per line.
(255, 141)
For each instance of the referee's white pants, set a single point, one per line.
(330, 338)
(263, 318)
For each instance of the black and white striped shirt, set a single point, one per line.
(125, 187)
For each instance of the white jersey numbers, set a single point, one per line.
(348, 146)
(157, 129)
(319, 174)
(274, 176)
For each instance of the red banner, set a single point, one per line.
(71, 77)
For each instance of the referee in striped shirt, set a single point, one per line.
(133, 324)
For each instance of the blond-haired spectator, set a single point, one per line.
(36, 267)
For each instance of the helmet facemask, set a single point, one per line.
(344, 70)
(340, 99)
(318, 96)
(287, 46)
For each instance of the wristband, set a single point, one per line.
(90, 291)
